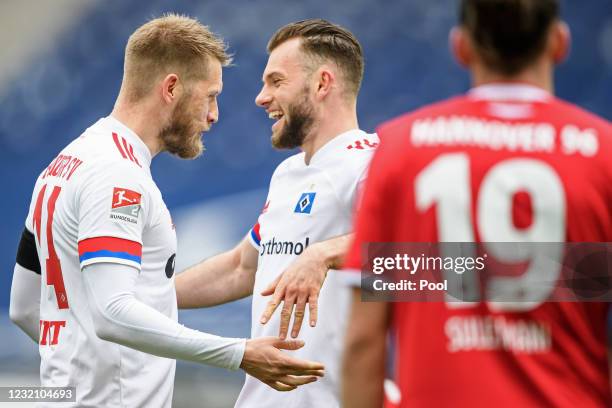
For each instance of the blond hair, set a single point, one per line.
(169, 44)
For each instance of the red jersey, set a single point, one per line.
(504, 163)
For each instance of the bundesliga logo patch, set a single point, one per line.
(126, 205)
(304, 204)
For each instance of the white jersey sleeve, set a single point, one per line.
(24, 309)
(29, 223)
(349, 178)
(254, 236)
(120, 317)
(112, 214)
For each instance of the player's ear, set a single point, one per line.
(170, 88)
(461, 46)
(559, 41)
(324, 81)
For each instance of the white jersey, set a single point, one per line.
(307, 204)
(96, 202)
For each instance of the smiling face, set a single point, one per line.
(193, 114)
(286, 95)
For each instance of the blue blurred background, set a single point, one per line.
(61, 66)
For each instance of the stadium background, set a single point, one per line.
(60, 70)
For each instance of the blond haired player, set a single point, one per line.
(310, 88)
(94, 279)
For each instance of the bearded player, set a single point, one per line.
(310, 88)
(507, 162)
(94, 279)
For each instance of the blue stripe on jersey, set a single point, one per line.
(109, 254)
(255, 237)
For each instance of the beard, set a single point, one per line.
(299, 119)
(182, 137)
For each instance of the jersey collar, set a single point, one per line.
(337, 143)
(140, 148)
(509, 92)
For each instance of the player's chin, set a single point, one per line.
(191, 150)
(277, 139)
(197, 149)
(274, 138)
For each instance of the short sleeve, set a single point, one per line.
(349, 178)
(112, 207)
(254, 236)
(29, 222)
(357, 192)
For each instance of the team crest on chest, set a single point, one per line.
(304, 204)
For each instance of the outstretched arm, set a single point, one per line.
(223, 278)
(118, 316)
(301, 283)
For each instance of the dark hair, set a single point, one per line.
(323, 40)
(509, 34)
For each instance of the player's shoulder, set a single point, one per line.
(358, 144)
(106, 150)
(398, 124)
(569, 112)
(355, 150)
(394, 132)
(104, 141)
(346, 162)
(346, 153)
(581, 129)
(104, 169)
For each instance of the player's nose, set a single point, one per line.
(263, 98)
(213, 116)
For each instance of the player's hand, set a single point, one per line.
(299, 284)
(264, 360)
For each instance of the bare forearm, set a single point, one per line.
(332, 251)
(363, 374)
(363, 366)
(215, 281)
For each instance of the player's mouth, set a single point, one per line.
(277, 116)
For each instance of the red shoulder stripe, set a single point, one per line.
(130, 151)
(116, 140)
(127, 151)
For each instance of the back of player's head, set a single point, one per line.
(508, 34)
(323, 41)
(170, 44)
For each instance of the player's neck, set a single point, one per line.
(139, 120)
(327, 128)
(539, 75)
